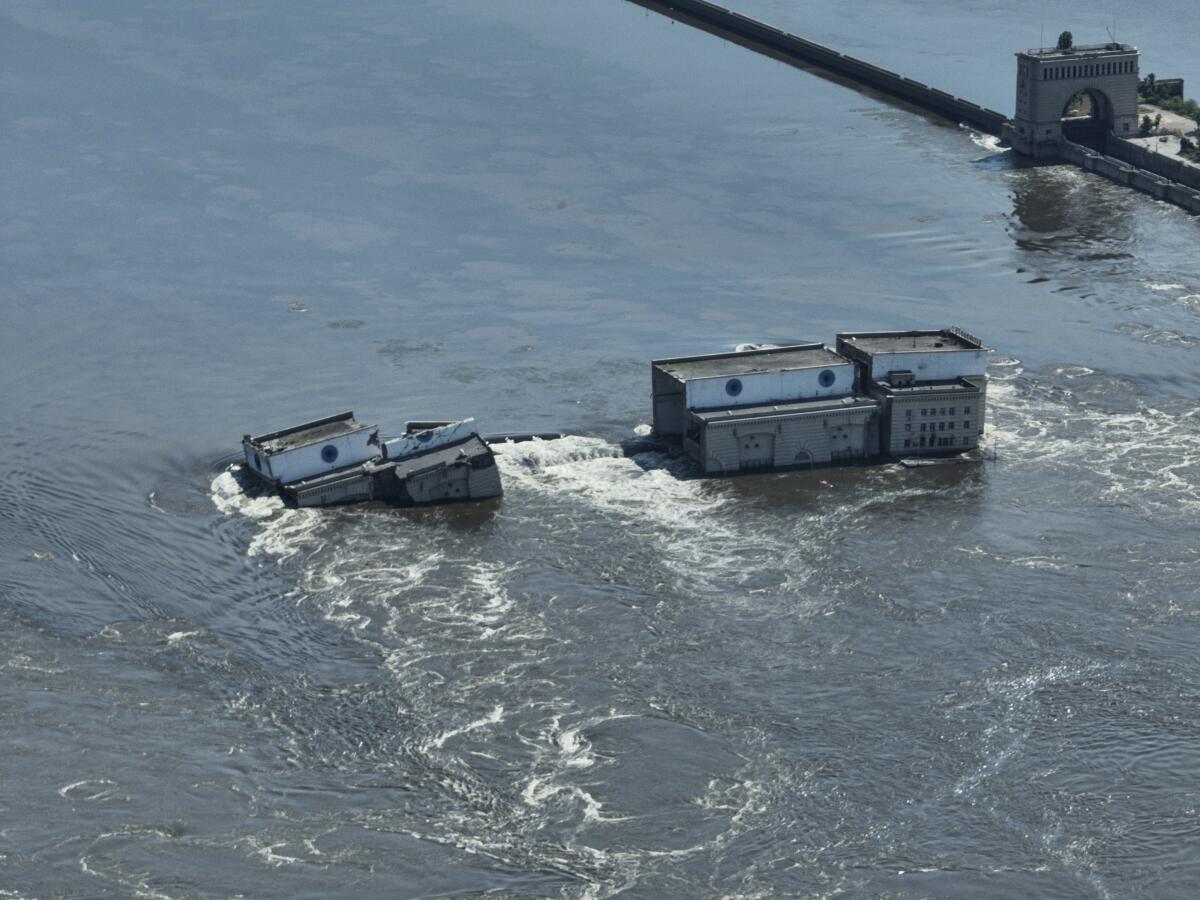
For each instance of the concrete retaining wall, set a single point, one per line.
(1166, 166)
(730, 24)
(1131, 175)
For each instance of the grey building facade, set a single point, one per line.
(879, 394)
(931, 387)
(1048, 79)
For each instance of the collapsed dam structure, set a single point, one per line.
(1043, 128)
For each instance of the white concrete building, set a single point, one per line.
(313, 448)
(880, 394)
(763, 409)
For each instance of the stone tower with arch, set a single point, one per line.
(1078, 94)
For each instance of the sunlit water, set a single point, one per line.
(619, 680)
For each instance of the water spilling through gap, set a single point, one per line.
(620, 680)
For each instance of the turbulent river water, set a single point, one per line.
(620, 680)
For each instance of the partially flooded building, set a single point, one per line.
(761, 409)
(338, 460)
(878, 394)
(931, 387)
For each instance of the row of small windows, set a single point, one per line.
(1089, 70)
(939, 411)
(937, 442)
(941, 426)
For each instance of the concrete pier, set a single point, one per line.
(1114, 71)
(779, 44)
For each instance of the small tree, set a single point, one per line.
(1066, 41)
(1146, 126)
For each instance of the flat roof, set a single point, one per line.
(308, 433)
(781, 409)
(1079, 50)
(911, 341)
(960, 385)
(750, 362)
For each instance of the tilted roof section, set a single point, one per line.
(750, 362)
(308, 433)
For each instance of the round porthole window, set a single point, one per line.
(827, 378)
(329, 453)
(733, 387)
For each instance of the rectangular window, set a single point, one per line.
(922, 442)
(907, 442)
(952, 426)
(923, 411)
(966, 410)
(942, 411)
(908, 414)
(966, 442)
(908, 428)
(966, 424)
(952, 412)
(922, 428)
(941, 426)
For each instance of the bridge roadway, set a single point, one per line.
(779, 44)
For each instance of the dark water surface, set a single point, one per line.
(971, 681)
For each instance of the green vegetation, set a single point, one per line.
(1149, 126)
(1080, 105)
(1189, 149)
(1066, 41)
(1149, 91)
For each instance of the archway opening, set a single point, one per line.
(1087, 118)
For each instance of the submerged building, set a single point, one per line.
(338, 460)
(879, 394)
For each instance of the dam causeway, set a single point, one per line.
(1047, 80)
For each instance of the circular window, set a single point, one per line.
(733, 387)
(329, 453)
(827, 378)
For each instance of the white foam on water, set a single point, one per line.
(987, 141)
(229, 497)
(684, 515)
(283, 531)
(1163, 286)
(91, 790)
(1144, 456)
(1018, 709)
(492, 718)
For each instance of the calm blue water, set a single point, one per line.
(620, 680)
